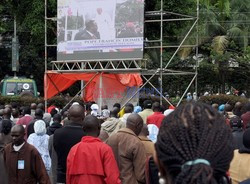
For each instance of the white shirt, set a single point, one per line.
(17, 148)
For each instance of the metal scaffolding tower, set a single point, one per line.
(140, 66)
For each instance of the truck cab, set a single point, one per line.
(18, 86)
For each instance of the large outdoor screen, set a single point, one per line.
(100, 29)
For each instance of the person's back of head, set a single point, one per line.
(39, 114)
(130, 105)
(117, 105)
(236, 122)
(6, 126)
(14, 105)
(215, 106)
(47, 118)
(156, 107)
(147, 104)
(144, 130)
(40, 106)
(194, 145)
(26, 110)
(238, 105)
(57, 118)
(128, 109)
(33, 106)
(76, 114)
(134, 123)
(247, 107)
(237, 110)
(228, 108)
(104, 107)
(114, 112)
(91, 126)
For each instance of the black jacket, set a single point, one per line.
(51, 129)
(64, 139)
(237, 138)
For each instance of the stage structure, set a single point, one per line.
(98, 36)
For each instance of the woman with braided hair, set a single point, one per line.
(194, 146)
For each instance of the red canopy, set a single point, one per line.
(111, 84)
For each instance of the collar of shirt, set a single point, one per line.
(128, 131)
(90, 139)
(158, 113)
(144, 138)
(17, 148)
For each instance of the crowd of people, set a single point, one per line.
(192, 143)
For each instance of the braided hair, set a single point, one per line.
(195, 131)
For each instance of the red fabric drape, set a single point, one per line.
(111, 83)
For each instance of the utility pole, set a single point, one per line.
(15, 50)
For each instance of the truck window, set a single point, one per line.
(11, 88)
(25, 87)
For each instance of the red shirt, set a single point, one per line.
(245, 118)
(155, 119)
(25, 121)
(92, 161)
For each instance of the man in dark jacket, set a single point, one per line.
(237, 131)
(89, 33)
(23, 162)
(65, 138)
(55, 125)
(246, 116)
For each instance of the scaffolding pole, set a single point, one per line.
(160, 72)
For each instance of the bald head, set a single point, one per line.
(238, 105)
(135, 123)
(17, 134)
(76, 114)
(33, 106)
(228, 108)
(91, 126)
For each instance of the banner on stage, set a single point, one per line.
(100, 29)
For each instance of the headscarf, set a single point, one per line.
(40, 127)
(137, 109)
(94, 108)
(222, 107)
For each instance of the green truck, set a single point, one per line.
(18, 86)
